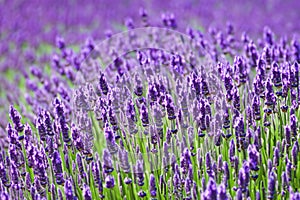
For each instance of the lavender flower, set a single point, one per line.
(68, 190)
(144, 115)
(271, 187)
(41, 128)
(139, 173)
(222, 195)
(107, 162)
(110, 140)
(124, 162)
(152, 186)
(57, 167)
(16, 118)
(87, 195)
(211, 191)
(253, 158)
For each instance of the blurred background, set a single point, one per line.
(34, 21)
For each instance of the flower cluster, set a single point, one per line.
(214, 119)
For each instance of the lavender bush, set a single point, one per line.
(160, 110)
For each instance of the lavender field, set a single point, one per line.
(149, 100)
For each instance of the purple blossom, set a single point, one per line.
(110, 140)
(68, 191)
(107, 162)
(139, 173)
(152, 186)
(211, 191)
(57, 167)
(124, 162)
(16, 119)
(253, 157)
(271, 187)
(87, 195)
(109, 182)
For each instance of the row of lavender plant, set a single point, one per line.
(155, 130)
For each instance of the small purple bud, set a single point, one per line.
(142, 194)
(60, 43)
(127, 181)
(109, 182)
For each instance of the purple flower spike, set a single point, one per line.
(68, 191)
(87, 195)
(231, 150)
(295, 151)
(144, 115)
(60, 116)
(152, 186)
(256, 108)
(48, 123)
(12, 135)
(271, 187)
(138, 85)
(240, 133)
(268, 36)
(276, 76)
(209, 168)
(294, 121)
(80, 164)
(270, 98)
(253, 157)
(57, 167)
(3, 175)
(110, 140)
(211, 191)
(16, 118)
(14, 177)
(176, 183)
(287, 132)
(41, 129)
(276, 156)
(139, 173)
(170, 108)
(226, 170)
(77, 138)
(124, 162)
(222, 194)
(107, 162)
